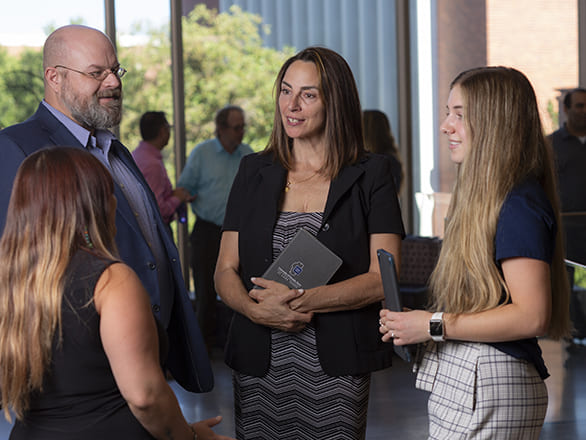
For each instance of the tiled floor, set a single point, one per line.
(398, 410)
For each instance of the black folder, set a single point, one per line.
(392, 294)
(304, 263)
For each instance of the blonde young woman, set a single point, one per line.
(302, 359)
(500, 281)
(79, 352)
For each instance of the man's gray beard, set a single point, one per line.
(93, 115)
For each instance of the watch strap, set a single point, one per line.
(437, 323)
(438, 316)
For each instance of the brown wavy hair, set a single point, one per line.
(343, 126)
(59, 195)
(378, 136)
(507, 145)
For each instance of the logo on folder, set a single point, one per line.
(296, 268)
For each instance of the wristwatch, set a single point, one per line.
(436, 327)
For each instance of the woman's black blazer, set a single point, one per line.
(362, 200)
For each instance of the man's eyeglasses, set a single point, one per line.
(100, 75)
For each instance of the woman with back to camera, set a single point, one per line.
(302, 358)
(79, 352)
(500, 281)
(379, 139)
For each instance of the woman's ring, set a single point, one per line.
(380, 322)
(392, 335)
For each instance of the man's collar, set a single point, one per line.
(101, 137)
(104, 139)
(566, 133)
(150, 148)
(80, 133)
(220, 147)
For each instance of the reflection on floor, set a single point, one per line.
(398, 410)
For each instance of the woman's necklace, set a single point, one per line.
(291, 183)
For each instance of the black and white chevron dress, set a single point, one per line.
(296, 399)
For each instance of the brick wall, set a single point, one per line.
(540, 38)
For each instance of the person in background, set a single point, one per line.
(83, 99)
(208, 176)
(80, 350)
(155, 132)
(500, 281)
(379, 139)
(302, 358)
(569, 146)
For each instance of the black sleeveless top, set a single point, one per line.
(80, 398)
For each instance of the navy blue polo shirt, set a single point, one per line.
(526, 228)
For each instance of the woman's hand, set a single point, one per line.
(527, 315)
(204, 431)
(404, 328)
(272, 307)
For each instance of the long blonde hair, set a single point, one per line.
(61, 201)
(506, 145)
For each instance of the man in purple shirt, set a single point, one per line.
(155, 132)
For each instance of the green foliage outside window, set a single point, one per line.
(21, 85)
(225, 63)
(580, 278)
(553, 114)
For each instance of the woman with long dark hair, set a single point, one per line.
(302, 358)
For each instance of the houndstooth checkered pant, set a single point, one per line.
(479, 392)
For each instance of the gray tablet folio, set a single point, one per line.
(392, 293)
(305, 263)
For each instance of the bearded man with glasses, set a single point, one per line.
(83, 99)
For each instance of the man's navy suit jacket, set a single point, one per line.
(172, 308)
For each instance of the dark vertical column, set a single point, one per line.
(179, 120)
(405, 128)
(110, 20)
(582, 43)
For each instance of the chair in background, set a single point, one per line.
(419, 256)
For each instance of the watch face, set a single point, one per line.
(436, 328)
